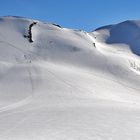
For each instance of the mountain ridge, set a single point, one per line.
(58, 83)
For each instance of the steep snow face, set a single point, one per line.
(121, 40)
(68, 84)
(127, 32)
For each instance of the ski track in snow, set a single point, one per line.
(26, 100)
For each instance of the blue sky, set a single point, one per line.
(79, 14)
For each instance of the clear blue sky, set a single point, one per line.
(78, 14)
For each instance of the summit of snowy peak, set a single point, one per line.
(127, 32)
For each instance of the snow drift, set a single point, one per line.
(58, 83)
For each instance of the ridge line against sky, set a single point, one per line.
(78, 14)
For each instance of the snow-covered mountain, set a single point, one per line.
(58, 83)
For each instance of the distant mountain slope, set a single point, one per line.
(58, 83)
(127, 32)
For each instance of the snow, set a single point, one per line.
(69, 84)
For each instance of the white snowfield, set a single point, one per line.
(69, 84)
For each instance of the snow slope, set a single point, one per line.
(69, 84)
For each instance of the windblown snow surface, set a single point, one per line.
(69, 84)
